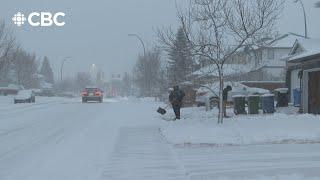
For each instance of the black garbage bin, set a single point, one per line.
(267, 103)
(253, 104)
(239, 104)
(282, 97)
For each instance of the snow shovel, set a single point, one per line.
(162, 111)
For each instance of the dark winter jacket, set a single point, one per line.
(225, 92)
(176, 97)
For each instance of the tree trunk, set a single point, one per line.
(221, 108)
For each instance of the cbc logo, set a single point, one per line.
(43, 19)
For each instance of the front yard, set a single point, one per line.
(199, 128)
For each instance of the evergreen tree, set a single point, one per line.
(46, 71)
(180, 59)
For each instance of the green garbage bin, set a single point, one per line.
(239, 104)
(253, 104)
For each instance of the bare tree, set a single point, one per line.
(218, 29)
(147, 73)
(25, 68)
(317, 4)
(6, 45)
(127, 84)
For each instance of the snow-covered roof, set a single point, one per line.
(286, 40)
(228, 70)
(310, 47)
(45, 85)
(12, 87)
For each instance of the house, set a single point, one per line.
(264, 65)
(268, 59)
(303, 71)
(11, 89)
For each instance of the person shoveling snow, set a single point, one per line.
(175, 98)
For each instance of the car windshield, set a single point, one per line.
(159, 90)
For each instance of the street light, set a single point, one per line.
(140, 39)
(62, 64)
(305, 17)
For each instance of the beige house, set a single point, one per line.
(264, 65)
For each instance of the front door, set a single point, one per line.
(314, 92)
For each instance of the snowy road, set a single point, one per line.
(63, 139)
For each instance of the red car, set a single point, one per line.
(92, 94)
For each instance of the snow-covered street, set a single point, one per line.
(60, 138)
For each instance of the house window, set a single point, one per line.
(270, 54)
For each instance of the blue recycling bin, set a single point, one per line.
(267, 103)
(296, 97)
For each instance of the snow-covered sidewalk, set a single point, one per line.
(140, 153)
(200, 128)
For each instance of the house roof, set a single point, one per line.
(285, 41)
(310, 48)
(228, 70)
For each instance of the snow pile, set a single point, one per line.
(200, 127)
(228, 70)
(237, 89)
(279, 177)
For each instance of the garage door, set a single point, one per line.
(314, 92)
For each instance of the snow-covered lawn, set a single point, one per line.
(278, 177)
(199, 127)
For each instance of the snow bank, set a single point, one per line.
(200, 127)
(279, 177)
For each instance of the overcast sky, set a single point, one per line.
(96, 30)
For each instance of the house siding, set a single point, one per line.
(307, 65)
